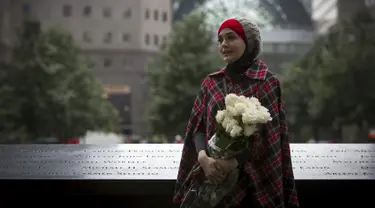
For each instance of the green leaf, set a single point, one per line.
(48, 91)
(175, 78)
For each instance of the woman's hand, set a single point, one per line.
(213, 171)
(228, 165)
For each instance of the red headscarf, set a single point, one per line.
(233, 25)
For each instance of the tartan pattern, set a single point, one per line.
(269, 170)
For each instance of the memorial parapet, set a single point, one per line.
(142, 174)
(161, 161)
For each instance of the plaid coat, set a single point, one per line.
(269, 169)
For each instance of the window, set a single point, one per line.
(67, 10)
(87, 11)
(156, 15)
(107, 13)
(156, 40)
(143, 80)
(164, 39)
(126, 37)
(267, 47)
(130, 62)
(107, 62)
(301, 48)
(107, 37)
(284, 48)
(126, 108)
(127, 62)
(147, 14)
(26, 8)
(128, 14)
(91, 64)
(165, 16)
(147, 39)
(276, 47)
(87, 37)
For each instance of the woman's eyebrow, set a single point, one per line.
(225, 34)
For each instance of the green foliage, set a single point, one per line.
(49, 90)
(334, 81)
(343, 81)
(176, 77)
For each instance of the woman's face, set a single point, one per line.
(231, 45)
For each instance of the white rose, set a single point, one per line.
(225, 122)
(236, 131)
(232, 112)
(250, 116)
(230, 99)
(240, 108)
(249, 130)
(255, 101)
(220, 116)
(232, 123)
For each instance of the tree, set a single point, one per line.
(48, 89)
(299, 79)
(338, 76)
(346, 74)
(296, 95)
(176, 77)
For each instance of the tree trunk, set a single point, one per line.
(315, 132)
(338, 134)
(362, 135)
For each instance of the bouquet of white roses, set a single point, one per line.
(235, 124)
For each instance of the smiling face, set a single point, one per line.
(231, 45)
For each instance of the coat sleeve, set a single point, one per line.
(290, 192)
(189, 153)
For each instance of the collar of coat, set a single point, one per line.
(258, 71)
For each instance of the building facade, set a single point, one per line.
(5, 29)
(325, 13)
(281, 46)
(118, 36)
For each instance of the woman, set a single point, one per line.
(266, 170)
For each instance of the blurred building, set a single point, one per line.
(298, 24)
(291, 35)
(119, 37)
(5, 32)
(281, 46)
(325, 13)
(286, 26)
(289, 13)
